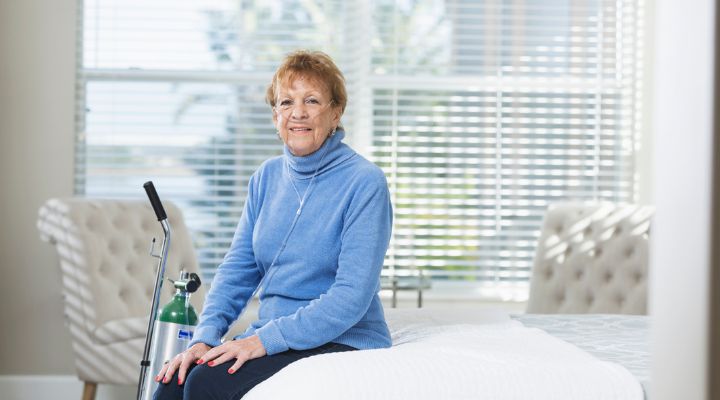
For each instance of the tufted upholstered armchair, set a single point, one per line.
(108, 278)
(592, 259)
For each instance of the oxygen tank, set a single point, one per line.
(174, 328)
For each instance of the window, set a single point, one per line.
(481, 113)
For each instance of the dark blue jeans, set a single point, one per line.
(215, 383)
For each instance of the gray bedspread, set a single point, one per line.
(623, 339)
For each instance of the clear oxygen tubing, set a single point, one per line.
(271, 271)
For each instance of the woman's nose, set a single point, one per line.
(299, 111)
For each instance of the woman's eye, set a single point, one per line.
(312, 101)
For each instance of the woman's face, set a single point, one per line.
(304, 115)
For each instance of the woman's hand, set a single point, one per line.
(241, 350)
(182, 362)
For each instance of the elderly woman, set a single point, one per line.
(311, 241)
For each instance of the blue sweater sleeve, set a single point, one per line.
(235, 280)
(364, 241)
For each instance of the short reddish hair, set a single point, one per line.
(314, 65)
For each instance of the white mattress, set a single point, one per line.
(451, 354)
(623, 339)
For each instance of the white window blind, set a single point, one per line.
(486, 112)
(481, 113)
(174, 91)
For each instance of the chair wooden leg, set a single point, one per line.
(89, 391)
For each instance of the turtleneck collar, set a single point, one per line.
(334, 150)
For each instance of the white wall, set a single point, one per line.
(37, 71)
(680, 253)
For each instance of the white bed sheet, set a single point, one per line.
(436, 356)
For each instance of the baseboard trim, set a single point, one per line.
(56, 387)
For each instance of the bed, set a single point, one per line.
(584, 335)
(622, 339)
(449, 354)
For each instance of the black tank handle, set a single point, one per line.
(155, 200)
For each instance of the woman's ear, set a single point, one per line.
(275, 119)
(336, 115)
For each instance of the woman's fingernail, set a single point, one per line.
(166, 380)
(231, 371)
(179, 382)
(157, 379)
(198, 362)
(211, 363)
